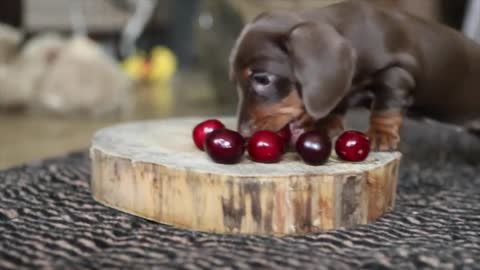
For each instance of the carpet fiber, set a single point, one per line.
(49, 220)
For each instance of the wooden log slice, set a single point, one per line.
(153, 170)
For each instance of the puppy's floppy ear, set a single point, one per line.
(323, 63)
(235, 49)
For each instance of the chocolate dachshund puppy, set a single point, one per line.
(306, 69)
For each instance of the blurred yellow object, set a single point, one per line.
(134, 66)
(157, 71)
(160, 67)
(163, 64)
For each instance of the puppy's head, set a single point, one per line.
(285, 67)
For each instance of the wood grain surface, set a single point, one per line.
(153, 170)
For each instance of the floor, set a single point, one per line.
(25, 137)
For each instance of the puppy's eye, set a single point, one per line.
(261, 79)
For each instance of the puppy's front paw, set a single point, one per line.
(332, 125)
(383, 141)
(305, 121)
(384, 132)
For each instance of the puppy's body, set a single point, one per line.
(444, 63)
(321, 62)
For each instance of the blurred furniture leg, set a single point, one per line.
(144, 10)
(11, 13)
(182, 29)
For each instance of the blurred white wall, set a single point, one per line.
(471, 26)
(56, 15)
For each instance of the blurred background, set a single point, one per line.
(70, 67)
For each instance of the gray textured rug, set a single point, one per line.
(49, 220)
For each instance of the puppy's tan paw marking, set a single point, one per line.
(384, 132)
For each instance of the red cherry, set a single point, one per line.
(201, 131)
(266, 147)
(225, 146)
(314, 147)
(353, 146)
(286, 135)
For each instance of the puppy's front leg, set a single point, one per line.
(392, 90)
(333, 123)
